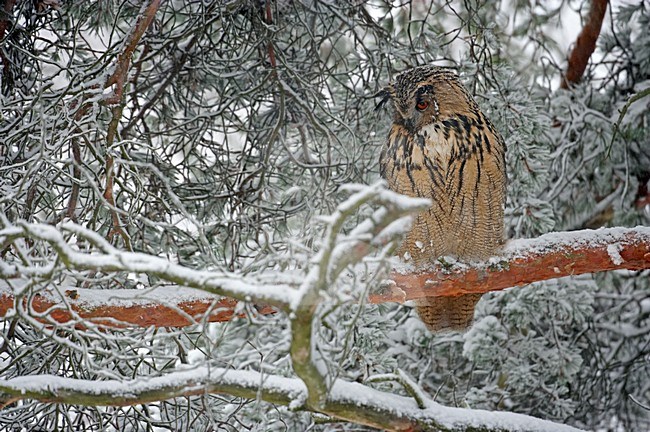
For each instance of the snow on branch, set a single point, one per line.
(175, 304)
(525, 261)
(109, 259)
(347, 401)
(168, 306)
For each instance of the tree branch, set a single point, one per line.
(171, 306)
(347, 401)
(525, 261)
(585, 44)
(118, 77)
(5, 23)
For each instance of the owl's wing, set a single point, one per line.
(476, 186)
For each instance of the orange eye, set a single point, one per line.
(422, 105)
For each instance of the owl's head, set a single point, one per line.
(425, 95)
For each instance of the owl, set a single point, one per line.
(442, 147)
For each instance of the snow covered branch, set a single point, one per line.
(110, 260)
(525, 261)
(346, 401)
(169, 306)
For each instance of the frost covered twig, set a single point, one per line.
(623, 112)
(525, 261)
(405, 381)
(346, 401)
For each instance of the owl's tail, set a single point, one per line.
(442, 314)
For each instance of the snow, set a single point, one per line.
(521, 248)
(397, 227)
(94, 298)
(274, 287)
(112, 260)
(178, 382)
(449, 417)
(613, 252)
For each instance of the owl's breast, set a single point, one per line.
(416, 164)
(437, 145)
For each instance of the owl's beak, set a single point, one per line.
(384, 94)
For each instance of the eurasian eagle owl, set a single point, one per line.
(442, 147)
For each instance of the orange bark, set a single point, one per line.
(130, 314)
(585, 44)
(559, 260)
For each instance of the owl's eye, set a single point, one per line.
(422, 105)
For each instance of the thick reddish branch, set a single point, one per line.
(585, 44)
(524, 261)
(119, 309)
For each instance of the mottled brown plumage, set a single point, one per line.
(442, 147)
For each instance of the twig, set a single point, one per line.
(406, 382)
(623, 112)
(268, 18)
(76, 178)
